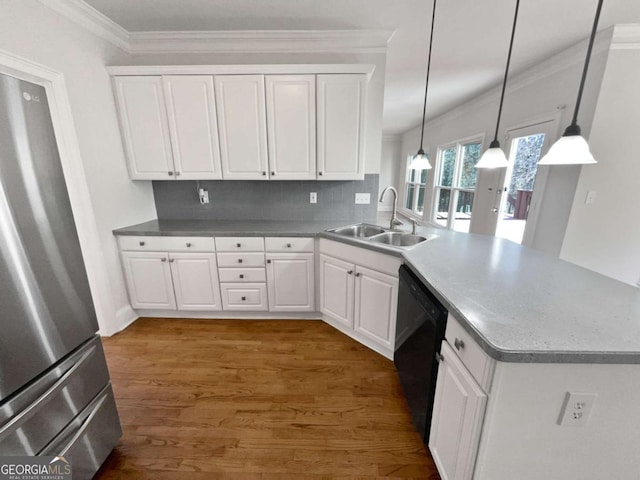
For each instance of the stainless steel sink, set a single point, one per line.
(398, 239)
(361, 230)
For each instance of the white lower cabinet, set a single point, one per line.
(458, 413)
(360, 297)
(337, 289)
(290, 282)
(376, 298)
(170, 281)
(148, 277)
(195, 281)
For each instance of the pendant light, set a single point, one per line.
(494, 157)
(572, 148)
(420, 161)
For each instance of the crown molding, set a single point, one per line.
(563, 60)
(91, 19)
(280, 41)
(626, 36)
(270, 69)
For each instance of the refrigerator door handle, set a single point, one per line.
(33, 408)
(84, 426)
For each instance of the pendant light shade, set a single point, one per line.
(494, 156)
(572, 148)
(420, 161)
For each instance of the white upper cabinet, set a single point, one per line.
(291, 126)
(193, 127)
(240, 103)
(145, 131)
(341, 126)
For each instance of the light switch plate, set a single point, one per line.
(590, 199)
(576, 409)
(313, 197)
(363, 198)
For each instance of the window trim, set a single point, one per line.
(453, 198)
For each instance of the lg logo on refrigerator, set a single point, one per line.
(29, 98)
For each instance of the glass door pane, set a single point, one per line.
(464, 205)
(443, 201)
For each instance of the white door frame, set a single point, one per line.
(73, 169)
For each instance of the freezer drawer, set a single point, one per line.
(90, 437)
(30, 419)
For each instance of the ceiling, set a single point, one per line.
(470, 38)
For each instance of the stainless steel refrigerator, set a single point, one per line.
(55, 393)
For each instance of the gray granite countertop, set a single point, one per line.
(519, 304)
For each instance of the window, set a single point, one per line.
(455, 184)
(414, 189)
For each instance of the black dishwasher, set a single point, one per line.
(420, 330)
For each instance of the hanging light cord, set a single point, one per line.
(426, 86)
(594, 29)
(506, 70)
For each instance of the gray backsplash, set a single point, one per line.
(267, 200)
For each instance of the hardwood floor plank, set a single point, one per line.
(242, 399)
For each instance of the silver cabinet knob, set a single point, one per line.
(439, 357)
(188, 244)
(239, 260)
(268, 261)
(163, 259)
(358, 274)
(177, 174)
(171, 260)
(170, 174)
(320, 173)
(142, 244)
(273, 174)
(238, 245)
(349, 272)
(264, 174)
(241, 276)
(244, 298)
(288, 245)
(459, 344)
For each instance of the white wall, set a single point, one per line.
(375, 92)
(605, 236)
(544, 91)
(389, 168)
(30, 30)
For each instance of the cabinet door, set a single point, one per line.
(341, 126)
(148, 279)
(242, 126)
(193, 126)
(376, 299)
(458, 412)
(291, 126)
(145, 131)
(195, 281)
(290, 282)
(336, 289)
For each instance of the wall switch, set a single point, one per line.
(590, 198)
(363, 198)
(313, 197)
(576, 409)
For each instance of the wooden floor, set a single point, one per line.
(240, 399)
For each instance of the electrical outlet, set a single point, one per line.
(203, 195)
(313, 197)
(363, 198)
(576, 409)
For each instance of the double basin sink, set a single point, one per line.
(376, 234)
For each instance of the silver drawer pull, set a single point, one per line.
(45, 397)
(239, 260)
(142, 244)
(238, 245)
(439, 357)
(268, 261)
(349, 272)
(244, 298)
(288, 245)
(188, 244)
(241, 276)
(171, 260)
(163, 259)
(459, 344)
(83, 427)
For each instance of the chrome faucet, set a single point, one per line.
(394, 219)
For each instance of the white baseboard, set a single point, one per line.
(125, 316)
(219, 315)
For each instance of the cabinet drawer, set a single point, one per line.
(467, 349)
(240, 259)
(240, 244)
(167, 244)
(244, 296)
(243, 275)
(289, 244)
